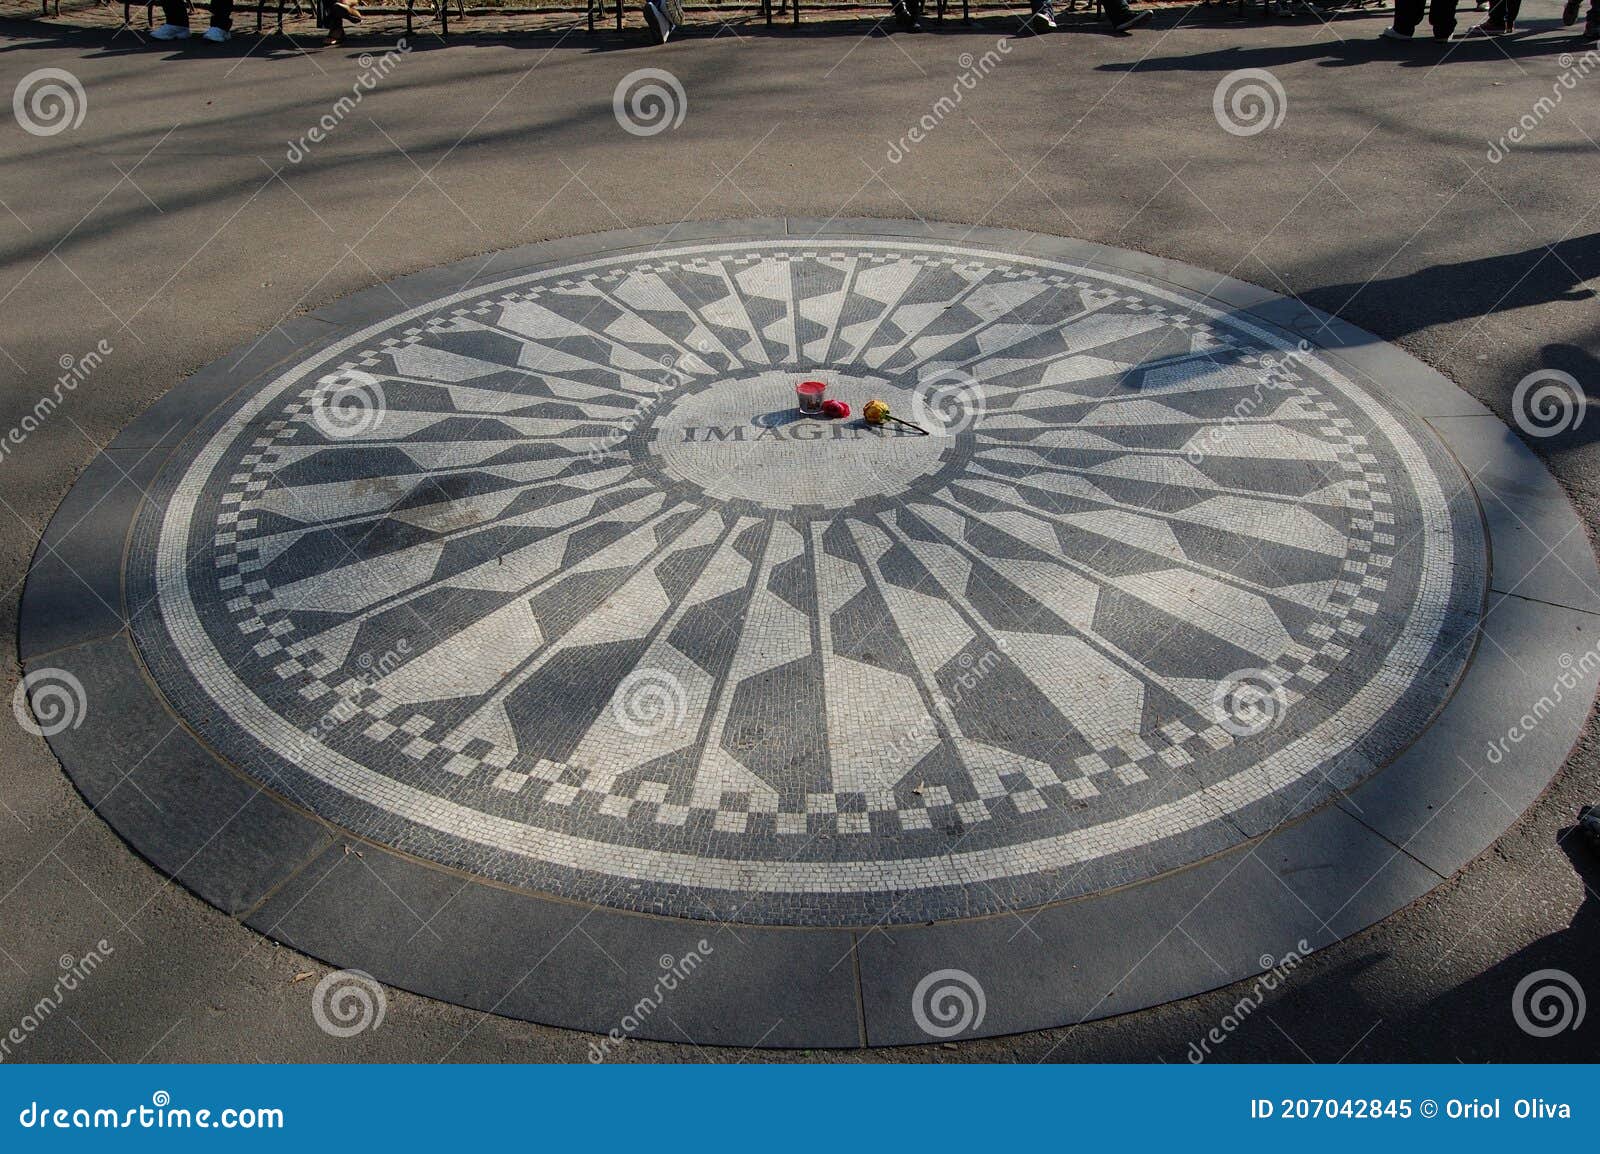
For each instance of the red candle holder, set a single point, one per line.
(811, 394)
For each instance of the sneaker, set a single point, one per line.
(1044, 18)
(1569, 14)
(170, 32)
(656, 20)
(216, 35)
(1485, 30)
(1131, 20)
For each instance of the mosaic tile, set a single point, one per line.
(552, 583)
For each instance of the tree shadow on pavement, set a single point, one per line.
(1565, 965)
(1442, 293)
(1350, 52)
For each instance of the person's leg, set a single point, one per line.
(333, 22)
(656, 20)
(1407, 15)
(1442, 15)
(1502, 17)
(175, 13)
(1498, 19)
(221, 22)
(1122, 16)
(907, 14)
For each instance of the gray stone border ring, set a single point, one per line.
(506, 632)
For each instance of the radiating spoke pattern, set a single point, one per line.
(550, 581)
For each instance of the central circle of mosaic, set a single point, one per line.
(548, 581)
(731, 443)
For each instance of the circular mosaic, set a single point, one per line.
(550, 581)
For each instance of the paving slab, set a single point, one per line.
(145, 775)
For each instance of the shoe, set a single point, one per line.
(1591, 34)
(170, 32)
(334, 40)
(656, 20)
(1044, 18)
(1486, 30)
(348, 10)
(1569, 14)
(1131, 20)
(1395, 34)
(216, 35)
